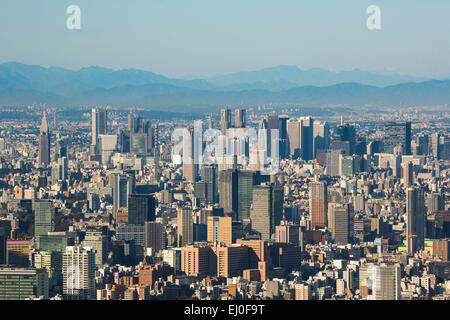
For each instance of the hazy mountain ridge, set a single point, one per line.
(24, 84)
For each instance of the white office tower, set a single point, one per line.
(79, 273)
(385, 282)
(106, 146)
(99, 126)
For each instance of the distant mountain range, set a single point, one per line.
(25, 84)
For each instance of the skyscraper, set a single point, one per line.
(294, 132)
(184, 227)
(307, 138)
(154, 236)
(132, 122)
(436, 146)
(321, 136)
(416, 214)
(267, 209)
(318, 204)
(240, 118)
(43, 218)
(219, 230)
(435, 202)
(225, 120)
(347, 133)
(338, 222)
(123, 185)
(209, 176)
(407, 174)
(22, 283)
(79, 273)
(272, 125)
(99, 126)
(141, 208)
(190, 161)
(283, 136)
(395, 134)
(228, 190)
(245, 182)
(386, 282)
(44, 143)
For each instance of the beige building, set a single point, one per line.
(220, 230)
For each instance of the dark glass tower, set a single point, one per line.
(397, 133)
(141, 208)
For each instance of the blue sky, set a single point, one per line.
(208, 37)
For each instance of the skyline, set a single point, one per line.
(208, 38)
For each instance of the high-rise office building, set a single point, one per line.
(99, 126)
(436, 146)
(43, 217)
(283, 136)
(422, 145)
(124, 141)
(407, 174)
(288, 233)
(139, 143)
(197, 261)
(338, 222)
(141, 208)
(225, 120)
(294, 134)
(273, 124)
(132, 122)
(267, 209)
(333, 162)
(23, 283)
(435, 202)
(51, 261)
(386, 282)
(219, 230)
(416, 214)
(209, 176)
(303, 291)
(106, 146)
(231, 260)
(395, 134)
(94, 202)
(154, 236)
(123, 186)
(44, 143)
(191, 147)
(56, 241)
(318, 204)
(185, 231)
(228, 190)
(321, 136)
(307, 138)
(347, 165)
(79, 274)
(346, 133)
(18, 253)
(99, 244)
(246, 181)
(240, 118)
(61, 149)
